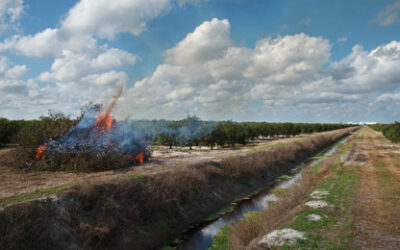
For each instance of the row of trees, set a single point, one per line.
(390, 131)
(190, 131)
(30, 133)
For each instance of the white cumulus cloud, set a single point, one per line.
(105, 18)
(285, 76)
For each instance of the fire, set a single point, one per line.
(105, 123)
(40, 150)
(140, 158)
(98, 134)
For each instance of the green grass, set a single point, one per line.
(281, 192)
(389, 183)
(220, 241)
(39, 193)
(270, 146)
(283, 178)
(341, 185)
(314, 168)
(221, 212)
(314, 241)
(303, 224)
(321, 157)
(334, 230)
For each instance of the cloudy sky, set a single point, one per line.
(255, 60)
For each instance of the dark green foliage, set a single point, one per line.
(8, 129)
(220, 241)
(390, 131)
(229, 133)
(34, 133)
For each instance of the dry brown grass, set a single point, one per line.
(127, 204)
(278, 159)
(254, 226)
(26, 226)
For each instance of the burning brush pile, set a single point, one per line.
(96, 143)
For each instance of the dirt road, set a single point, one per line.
(376, 209)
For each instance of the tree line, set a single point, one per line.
(188, 132)
(390, 131)
(31, 133)
(229, 133)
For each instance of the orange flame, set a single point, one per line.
(40, 150)
(140, 158)
(105, 123)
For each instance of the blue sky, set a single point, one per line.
(306, 60)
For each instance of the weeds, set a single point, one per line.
(281, 192)
(220, 241)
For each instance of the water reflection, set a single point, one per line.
(202, 238)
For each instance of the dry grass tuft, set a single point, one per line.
(258, 224)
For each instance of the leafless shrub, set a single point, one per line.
(25, 226)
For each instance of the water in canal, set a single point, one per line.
(202, 237)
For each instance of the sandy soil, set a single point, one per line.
(376, 209)
(14, 182)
